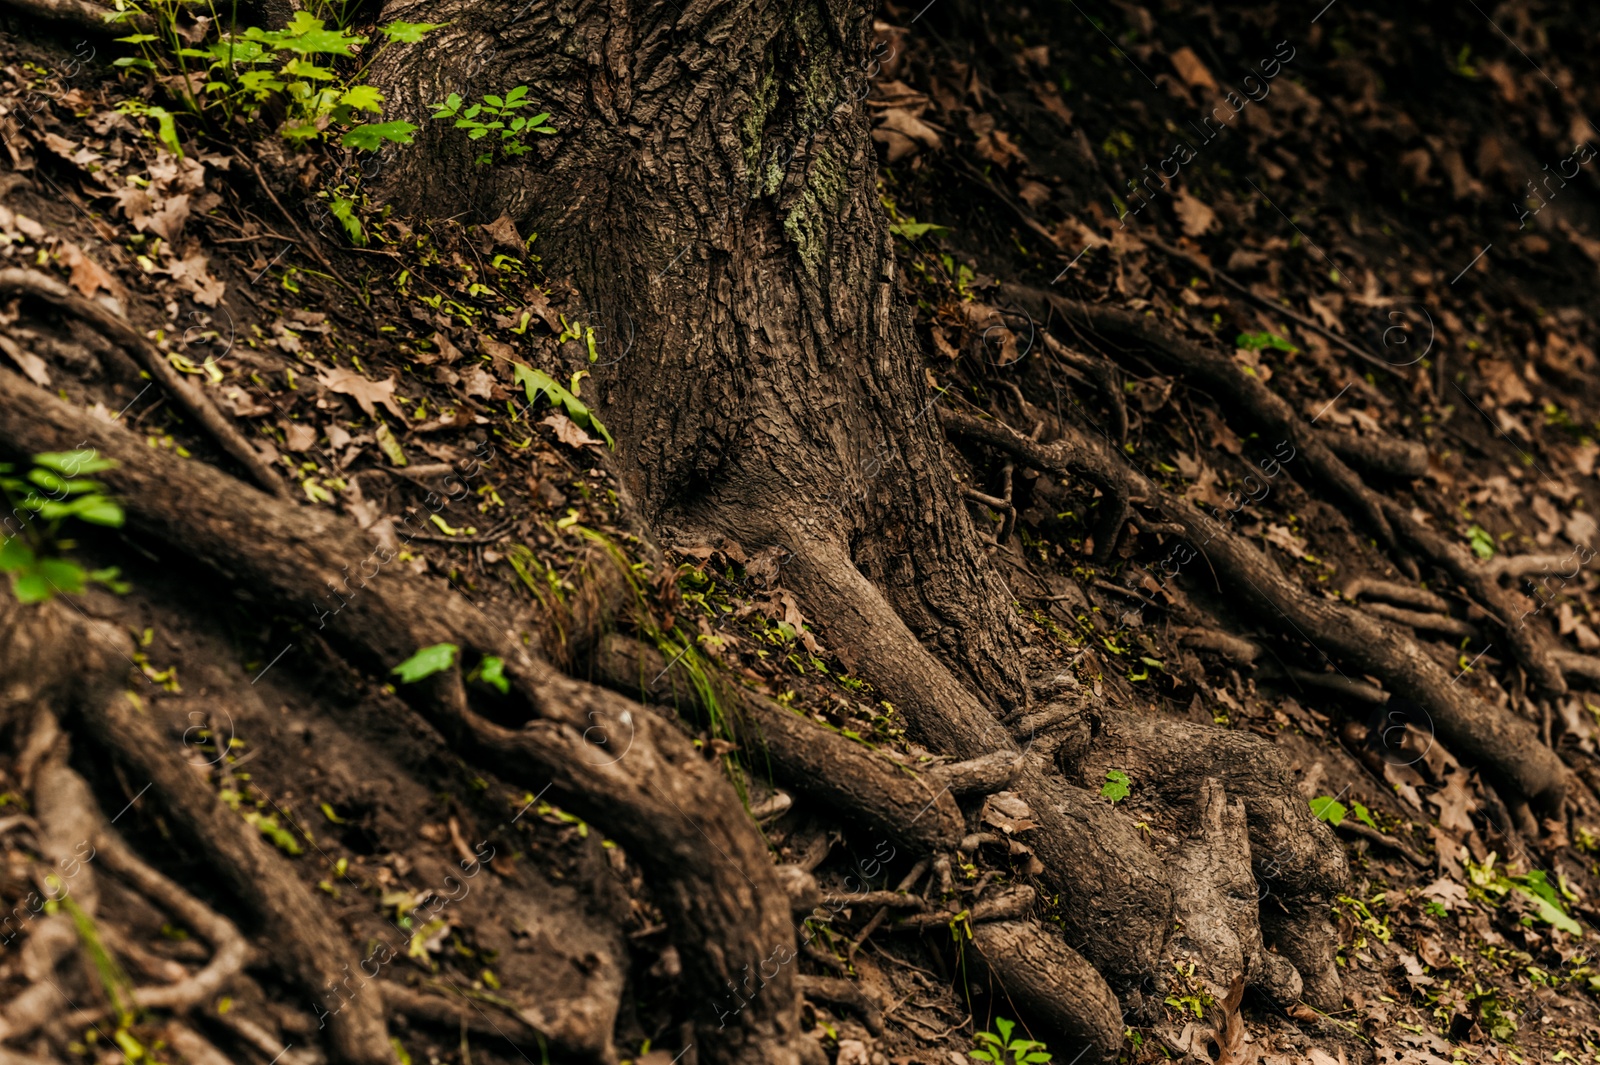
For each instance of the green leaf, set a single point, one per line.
(63, 576)
(1258, 341)
(139, 38)
(32, 588)
(492, 671)
(912, 229)
(166, 129)
(426, 662)
(304, 35)
(1006, 1026)
(1327, 808)
(449, 108)
(363, 98)
(53, 482)
(368, 137)
(536, 383)
(97, 510)
(409, 32)
(267, 825)
(15, 555)
(1115, 788)
(494, 101)
(1537, 886)
(390, 446)
(1481, 542)
(108, 577)
(1363, 814)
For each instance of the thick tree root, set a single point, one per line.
(1100, 373)
(1048, 980)
(190, 398)
(912, 809)
(307, 945)
(1269, 412)
(1497, 740)
(229, 946)
(646, 786)
(1380, 455)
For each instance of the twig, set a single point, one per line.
(1383, 839)
(193, 401)
(1298, 319)
(1394, 592)
(310, 244)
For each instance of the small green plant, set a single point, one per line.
(1327, 808)
(1003, 1050)
(1116, 786)
(536, 383)
(426, 662)
(239, 73)
(493, 114)
(50, 494)
(1481, 541)
(1260, 341)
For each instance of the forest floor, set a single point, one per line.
(1359, 196)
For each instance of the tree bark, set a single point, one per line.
(773, 392)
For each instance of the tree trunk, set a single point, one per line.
(773, 391)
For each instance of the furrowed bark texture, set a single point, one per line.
(713, 188)
(772, 392)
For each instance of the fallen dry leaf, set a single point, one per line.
(1192, 71)
(367, 394)
(30, 364)
(504, 232)
(567, 431)
(88, 277)
(477, 382)
(1008, 812)
(299, 436)
(169, 218)
(1195, 216)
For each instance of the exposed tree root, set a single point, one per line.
(1399, 594)
(229, 946)
(1100, 373)
(844, 993)
(79, 13)
(307, 945)
(1217, 370)
(1271, 413)
(1497, 740)
(910, 808)
(1048, 980)
(716, 883)
(1380, 455)
(457, 1014)
(191, 399)
(1414, 619)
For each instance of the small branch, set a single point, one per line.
(1394, 592)
(978, 776)
(1382, 839)
(1442, 623)
(194, 402)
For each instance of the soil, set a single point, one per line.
(1370, 203)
